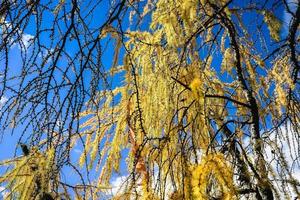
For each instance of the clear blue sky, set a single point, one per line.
(8, 142)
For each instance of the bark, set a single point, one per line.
(263, 185)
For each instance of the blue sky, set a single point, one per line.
(9, 141)
(8, 145)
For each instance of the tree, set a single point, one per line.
(208, 91)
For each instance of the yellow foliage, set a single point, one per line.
(281, 76)
(212, 166)
(197, 88)
(172, 105)
(28, 171)
(228, 61)
(273, 24)
(166, 119)
(147, 192)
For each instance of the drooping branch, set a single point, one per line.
(266, 190)
(292, 43)
(214, 95)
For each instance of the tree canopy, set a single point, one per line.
(186, 99)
